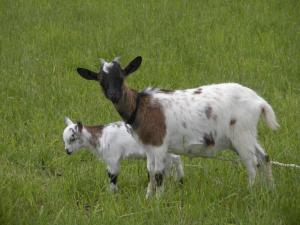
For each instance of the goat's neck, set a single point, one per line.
(91, 137)
(127, 103)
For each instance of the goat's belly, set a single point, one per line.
(194, 150)
(198, 144)
(135, 153)
(135, 156)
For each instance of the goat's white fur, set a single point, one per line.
(190, 116)
(115, 144)
(107, 66)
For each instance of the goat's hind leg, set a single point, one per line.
(245, 147)
(175, 162)
(179, 168)
(265, 164)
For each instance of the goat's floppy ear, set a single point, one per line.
(79, 126)
(87, 74)
(68, 121)
(133, 65)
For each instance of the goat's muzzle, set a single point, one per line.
(68, 152)
(113, 96)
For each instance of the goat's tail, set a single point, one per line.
(269, 115)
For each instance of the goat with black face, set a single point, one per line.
(111, 77)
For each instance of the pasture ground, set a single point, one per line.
(184, 44)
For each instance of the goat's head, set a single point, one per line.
(72, 136)
(111, 76)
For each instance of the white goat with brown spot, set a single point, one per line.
(195, 122)
(111, 143)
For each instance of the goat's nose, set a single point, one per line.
(110, 92)
(68, 152)
(113, 96)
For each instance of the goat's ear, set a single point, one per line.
(133, 65)
(68, 121)
(117, 59)
(87, 74)
(79, 126)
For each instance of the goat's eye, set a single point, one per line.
(72, 138)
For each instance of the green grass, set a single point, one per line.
(184, 44)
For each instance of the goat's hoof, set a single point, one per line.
(271, 186)
(181, 181)
(113, 188)
(159, 191)
(148, 195)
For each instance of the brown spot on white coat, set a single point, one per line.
(232, 122)
(208, 111)
(198, 91)
(150, 122)
(209, 140)
(96, 132)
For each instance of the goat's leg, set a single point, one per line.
(112, 173)
(251, 169)
(265, 164)
(244, 144)
(151, 175)
(177, 162)
(160, 154)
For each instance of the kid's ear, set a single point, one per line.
(68, 121)
(87, 74)
(79, 126)
(133, 65)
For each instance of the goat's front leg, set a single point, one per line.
(112, 173)
(160, 154)
(151, 178)
(156, 159)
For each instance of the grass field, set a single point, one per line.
(184, 44)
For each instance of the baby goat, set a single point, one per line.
(195, 122)
(112, 143)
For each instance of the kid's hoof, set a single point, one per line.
(113, 188)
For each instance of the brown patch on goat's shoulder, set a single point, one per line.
(208, 139)
(198, 91)
(96, 132)
(150, 122)
(208, 111)
(232, 122)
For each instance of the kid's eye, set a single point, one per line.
(72, 139)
